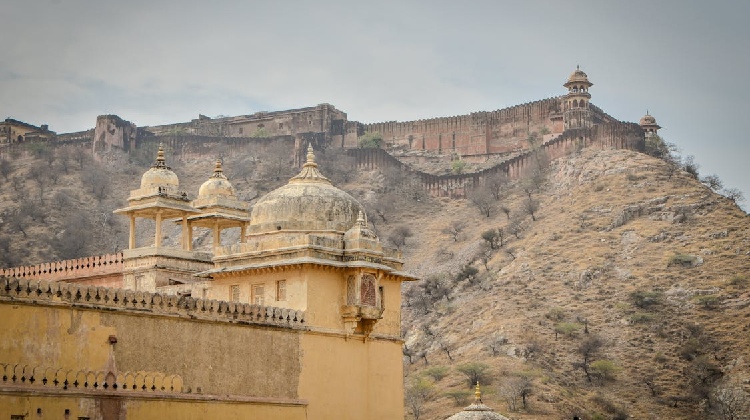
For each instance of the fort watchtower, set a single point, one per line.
(576, 103)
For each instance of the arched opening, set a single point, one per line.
(20, 138)
(575, 103)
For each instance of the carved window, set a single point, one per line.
(381, 297)
(351, 290)
(17, 417)
(281, 290)
(368, 290)
(241, 129)
(234, 293)
(257, 294)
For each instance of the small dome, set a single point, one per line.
(160, 175)
(477, 410)
(217, 185)
(648, 120)
(308, 202)
(578, 76)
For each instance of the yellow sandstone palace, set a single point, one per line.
(298, 320)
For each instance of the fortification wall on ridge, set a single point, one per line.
(615, 134)
(500, 131)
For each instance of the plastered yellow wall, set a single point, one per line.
(217, 357)
(351, 378)
(104, 408)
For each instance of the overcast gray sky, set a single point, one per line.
(63, 62)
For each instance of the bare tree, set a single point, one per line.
(713, 182)
(72, 242)
(505, 209)
(399, 234)
(496, 183)
(531, 206)
(6, 168)
(588, 350)
(40, 176)
(482, 198)
(515, 227)
(731, 402)
(417, 393)
(455, 228)
(734, 194)
(517, 389)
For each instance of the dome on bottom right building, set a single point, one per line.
(477, 410)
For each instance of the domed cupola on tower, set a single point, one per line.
(649, 125)
(160, 176)
(576, 103)
(309, 202)
(219, 207)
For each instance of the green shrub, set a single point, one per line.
(567, 328)
(371, 141)
(437, 372)
(642, 318)
(460, 397)
(476, 372)
(643, 299)
(682, 260)
(604, 370)
(708, 301)
(739, 281)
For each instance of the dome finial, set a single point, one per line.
(160, 161)
(310, 170)
(477, 394)
(310, 154)
(218, 171)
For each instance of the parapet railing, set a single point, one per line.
(41, 292)
(58, 270)
(64, 379)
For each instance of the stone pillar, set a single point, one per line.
(131, 239)
(185, 234)
(157, 235)
(243, 232)
(217, 236)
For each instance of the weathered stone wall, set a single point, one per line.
(111, 132)
(500, 131)
(214, 347)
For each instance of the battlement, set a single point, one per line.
(100, 265)
(69, 294)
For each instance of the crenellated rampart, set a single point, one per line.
(70, 294)
(99, 267)
(615, 135)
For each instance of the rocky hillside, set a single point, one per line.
(627, 297)
(609, 286)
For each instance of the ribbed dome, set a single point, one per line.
(308, 202)
(578, 76)
(647, 120)
(217, 185)
(160, 175)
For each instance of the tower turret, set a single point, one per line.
(649, 125)
(577, 113)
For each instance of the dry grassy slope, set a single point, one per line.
(575, 262)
